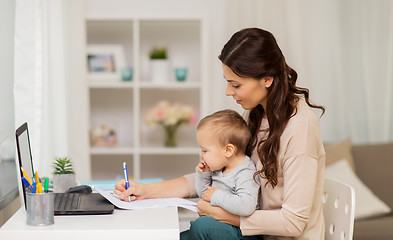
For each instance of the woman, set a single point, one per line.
(286, 145)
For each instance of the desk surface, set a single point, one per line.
(156, 223)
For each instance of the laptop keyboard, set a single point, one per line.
(66, 201)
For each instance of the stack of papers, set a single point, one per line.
(148, 203)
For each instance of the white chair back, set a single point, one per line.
(338, 209)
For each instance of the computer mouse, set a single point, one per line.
(80, 189)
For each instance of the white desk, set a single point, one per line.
(157, 223)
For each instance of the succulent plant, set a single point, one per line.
(158, 53)
(62, 165)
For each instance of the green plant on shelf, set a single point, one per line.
(158, 53)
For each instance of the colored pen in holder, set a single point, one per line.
(26, 183)
(46, 185)
(34, 187)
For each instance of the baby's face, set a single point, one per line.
(212, 153)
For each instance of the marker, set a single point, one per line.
(26, 183)
(39, 185)
(126, 178)
(34, 188)
(37, 178)
(46, 185)
(26, 176)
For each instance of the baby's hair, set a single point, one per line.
(228, 126)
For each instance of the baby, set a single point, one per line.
(225, 174)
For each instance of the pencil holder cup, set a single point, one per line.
(40, 209)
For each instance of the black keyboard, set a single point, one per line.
(66, 201)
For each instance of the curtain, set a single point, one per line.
(7, 122)
(40, 92)
(342, 51)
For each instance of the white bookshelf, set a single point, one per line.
(108, 85)
(123, 104)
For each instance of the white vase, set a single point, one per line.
(159, 70)
(62, 182)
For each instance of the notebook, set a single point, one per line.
(65, 203)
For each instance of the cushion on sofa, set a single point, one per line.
(338, 151)
(373, 164)
(366, 203)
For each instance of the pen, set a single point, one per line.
(39, 185)
(34, 188)
(26, 176)
(26, 183)
(37, 178)
(126, 178)
(46, 185)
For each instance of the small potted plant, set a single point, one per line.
(63, 174)
(159, 64)
(158, 53)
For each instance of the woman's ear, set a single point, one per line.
(229, 150)
(268, 81)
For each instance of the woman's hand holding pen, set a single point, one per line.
(135, 191)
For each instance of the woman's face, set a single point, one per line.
(247, 92)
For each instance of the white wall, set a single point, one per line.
(7, 127)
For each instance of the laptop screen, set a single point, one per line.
(24, 152)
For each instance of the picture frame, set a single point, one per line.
(105, 61)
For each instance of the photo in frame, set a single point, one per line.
(103, 135)
(105, 61)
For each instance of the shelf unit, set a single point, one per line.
(122, 105)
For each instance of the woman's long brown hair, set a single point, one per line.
(254, 53)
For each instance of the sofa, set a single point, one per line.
(373, 165)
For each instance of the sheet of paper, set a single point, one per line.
(109, 185)
(147, 203)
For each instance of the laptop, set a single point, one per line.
(65, 203)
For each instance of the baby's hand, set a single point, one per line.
(202, 167)
(207, 195)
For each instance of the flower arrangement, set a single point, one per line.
(170, 116)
